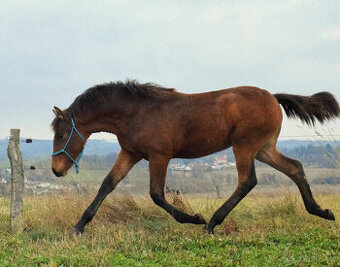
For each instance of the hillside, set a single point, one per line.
(40, 149)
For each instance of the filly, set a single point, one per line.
(157, 124)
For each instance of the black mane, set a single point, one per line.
(98, 94)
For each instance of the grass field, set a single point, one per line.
(261, 231)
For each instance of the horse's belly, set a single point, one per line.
(200, 148)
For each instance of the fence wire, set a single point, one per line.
(99, 156)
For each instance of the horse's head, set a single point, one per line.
(68, 143)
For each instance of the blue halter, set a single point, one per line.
(75, 161)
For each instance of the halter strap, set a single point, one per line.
(75, 161)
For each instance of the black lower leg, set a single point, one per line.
(158, 169)
(178, 215)
(106, 188)
(311, 206)
(294, 170)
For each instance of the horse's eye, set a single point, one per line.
(58, 136)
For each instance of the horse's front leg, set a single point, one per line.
(158, 169)
(122, 166)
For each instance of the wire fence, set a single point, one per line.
(99, 156)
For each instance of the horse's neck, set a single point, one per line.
(107, 121)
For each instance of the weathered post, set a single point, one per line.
(17, 179)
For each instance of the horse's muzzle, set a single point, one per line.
(58, 174)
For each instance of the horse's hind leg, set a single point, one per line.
(158, 169)
(246, 182)
(123, 164)
(294, 170)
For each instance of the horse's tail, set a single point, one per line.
(321, 106)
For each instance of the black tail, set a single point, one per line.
(321, 106)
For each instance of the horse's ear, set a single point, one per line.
(57, 111)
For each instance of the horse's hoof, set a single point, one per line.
(329, 215)
(76, 231)
(208, 230)
(199, 219)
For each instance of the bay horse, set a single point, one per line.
(157, 124)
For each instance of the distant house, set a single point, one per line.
(200, 166)
(221, 159)
(221, 162)
(180, 167)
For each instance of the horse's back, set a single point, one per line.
(216, 120)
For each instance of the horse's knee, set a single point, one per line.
(248, 185)
(251, 183)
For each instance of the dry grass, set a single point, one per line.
(62, 212)
(256, 214)
(132, 230)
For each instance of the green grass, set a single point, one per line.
(261, 231)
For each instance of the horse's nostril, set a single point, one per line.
(58, 174)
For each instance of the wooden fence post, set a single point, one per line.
(17, 179)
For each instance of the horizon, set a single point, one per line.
(325, 132)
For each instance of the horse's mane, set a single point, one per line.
(99, 94)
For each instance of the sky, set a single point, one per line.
(51, 51)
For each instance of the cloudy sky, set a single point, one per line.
(51, 51)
